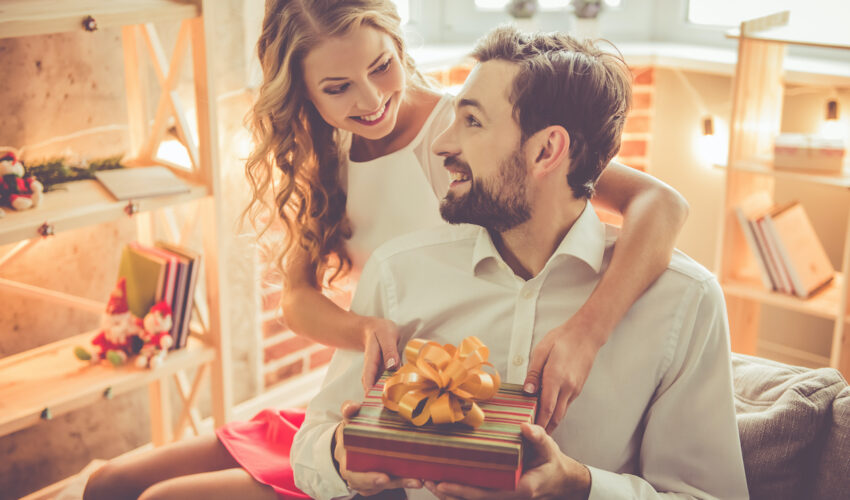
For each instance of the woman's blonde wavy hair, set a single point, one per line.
(291, 137)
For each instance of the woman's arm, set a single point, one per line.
(311, 314)
(653, 214)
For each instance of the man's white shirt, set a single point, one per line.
(655, 417)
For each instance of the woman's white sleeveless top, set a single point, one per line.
(397, 193)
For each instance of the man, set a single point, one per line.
(536, 122)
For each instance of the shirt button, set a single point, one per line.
(518, 360)
(527, 294)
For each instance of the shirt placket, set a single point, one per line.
(522, 331)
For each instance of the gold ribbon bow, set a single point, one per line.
(442, 383)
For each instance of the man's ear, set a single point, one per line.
(549, 149)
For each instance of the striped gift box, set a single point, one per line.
(379, 440)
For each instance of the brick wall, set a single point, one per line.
(637, 133)
(286, 355)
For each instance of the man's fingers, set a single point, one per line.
(540, 441)
(371, 483)
(452, 490)
(350, 409)
(367, 483)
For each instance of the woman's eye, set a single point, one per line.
(384, 67)
(337, 90)
(471, 121)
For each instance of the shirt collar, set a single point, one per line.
(585, 241)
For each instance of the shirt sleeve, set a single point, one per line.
(311, 456)
(691, 435)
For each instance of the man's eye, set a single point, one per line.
(384, 67)
(337, 90)
(471, 121)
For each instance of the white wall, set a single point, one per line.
(675, 160)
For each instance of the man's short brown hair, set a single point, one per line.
(566, 82)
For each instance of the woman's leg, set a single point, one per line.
(223, 484)
(128, 477)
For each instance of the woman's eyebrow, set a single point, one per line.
(337, 78)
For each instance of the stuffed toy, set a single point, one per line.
(155, 336)
(18, 190)
(119, 334)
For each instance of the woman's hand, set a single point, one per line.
(380, 338)
(564, 358)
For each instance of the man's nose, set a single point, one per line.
(445, 143)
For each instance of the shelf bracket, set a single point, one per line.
(189, 415)
(18, 249)
(81, 303)
(169, 101)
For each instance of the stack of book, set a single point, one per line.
(790, 257)
(162, 272)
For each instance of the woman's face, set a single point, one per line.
(356, 82)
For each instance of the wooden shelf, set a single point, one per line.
(82, 204)
(50, 376)
(812, 36)
(39, 17)
(824, 303)
(766, 168)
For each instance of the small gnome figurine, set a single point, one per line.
(156, 336)
(18, 190)
(114, 341)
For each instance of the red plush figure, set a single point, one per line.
(156, 336)
(18, 190)
(118, 328)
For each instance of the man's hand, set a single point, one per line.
(550, 474)
(365, 483)
(564, 357)
(381, 340)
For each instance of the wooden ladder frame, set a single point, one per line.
(204, 169)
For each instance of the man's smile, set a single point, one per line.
(459, 172)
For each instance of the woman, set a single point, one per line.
(343, 125)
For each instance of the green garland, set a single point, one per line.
(51, 173)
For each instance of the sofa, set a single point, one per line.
(794, 425)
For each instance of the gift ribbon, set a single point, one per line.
(442, 383)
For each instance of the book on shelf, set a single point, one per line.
(774, 259)
(750, 210)
(162, 272)
(141, 182)
(800, 250)
(166, 290)
(787, 251)
(145, 277)
(192, 262)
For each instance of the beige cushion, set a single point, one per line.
(783, 416)
(832, 479)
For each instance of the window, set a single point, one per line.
(732, 12)
(403, 7)
(544, 4)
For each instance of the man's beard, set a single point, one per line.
(497, 204)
